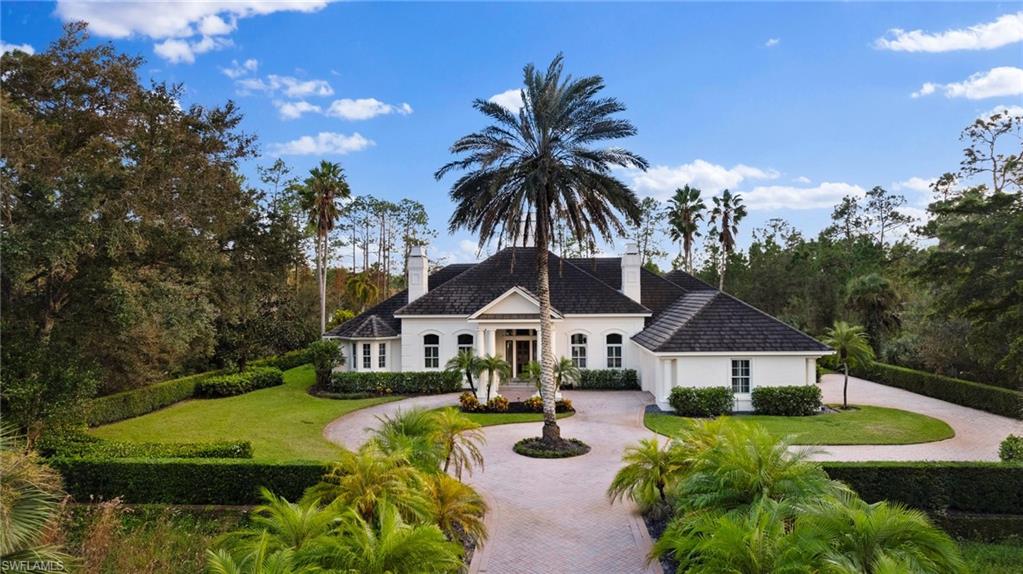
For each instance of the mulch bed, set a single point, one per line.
(535, 447)
(656, 526)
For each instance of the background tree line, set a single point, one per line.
(134, 248)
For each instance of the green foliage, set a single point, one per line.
(788, 401)
(685, 212)
(701, 401)
(496, 368)
(610, 379)
(239, 383)
(285, 361)
(650, 469)
(100, 449)
(129, 404)
(498, 404)
(404, 383)
(325, 354)
(535, 404)
(467, 363)
(468, 402)
(874, 299)
(1011, 449)
(969, 394)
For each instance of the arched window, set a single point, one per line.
(614, 351)
(431, 351)
(578, 345)
(465, 343)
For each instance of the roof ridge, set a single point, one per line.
(772, 317)
(612, 287)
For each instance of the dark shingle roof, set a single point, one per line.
(379, 320)
(711, 321)
(687, 281)
(573, 290)
(656, 292)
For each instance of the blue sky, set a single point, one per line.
(793, 105)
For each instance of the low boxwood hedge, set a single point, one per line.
(137, 402)
(701, 401)
(608, 379)
(967, 393)
(977, 487)
(789, 401)
(124, 449)
(405, 383)
(184, 481)
(249, 380)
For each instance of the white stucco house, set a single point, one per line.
(608, 313)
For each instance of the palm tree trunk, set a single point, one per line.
(322, 277)
(721, 271)
(845, 387)
(689, 254)
(551, 431)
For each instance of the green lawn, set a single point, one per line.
(282, 423)
(1004, 558)
(491, 419)
(864, 425)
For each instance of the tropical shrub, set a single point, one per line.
(404, 383)
(651, 468)
(790, 401)
(468, 402)
(456, 508)
(460, 441)
(535, 404)
(247, 381)
(701, 401)
(988, 398)
(498, 404)
(607, 379)
(325, 355)
(1011, 449)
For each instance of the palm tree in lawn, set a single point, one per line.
(321, 194)
(685, 212)
(460, 441)
(538, 167)
(361, 289)
(724, 222)
(851, 349)
(467, 363)
(494, 366)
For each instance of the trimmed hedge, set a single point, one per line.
(1011, 449)
(184, 481)
(790, 401)
(608, 379)
(977, 487)
(285, 361)
(967, 393)
(123, 449)
(240, 383)
(386, 383)
(985, 527)
(134, 403)
(701, 401)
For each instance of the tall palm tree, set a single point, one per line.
(852, 349)
(467, 363)
(360, 289)
(876, 301)
(724, 221)
(685, 212)
(460, 441)
(456, 508)
(320, 194)
(537, 168)
(494, 366)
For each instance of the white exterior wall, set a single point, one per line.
(716, 371)
(353, 361)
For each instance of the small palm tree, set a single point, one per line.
(565, 372)
(320, 194)
(467, 363)
(852, 349)
(410, 434)
(494, 366)
(279, 525)
(724, 220)
(537, 168)
(685, 212)
(456, 508)
(651, 467)
(534, 373)
(460, 441)
(865, 537)
(387, 544)
(360, 289)
(258, 558)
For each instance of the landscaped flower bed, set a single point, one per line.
(468, 403)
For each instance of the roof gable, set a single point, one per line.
(513, 302)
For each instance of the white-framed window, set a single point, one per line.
(382, 355)
(740, 376)
(367, 356)
(431, 351)
(614, 351)
(466, 342)
(578, 348)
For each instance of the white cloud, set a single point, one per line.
(996, 82)
(294, 110)
(824, 195)
(772, 42)
(1003, 110)
(5, 47)
(323, 143)
(236, 70)
(288, 85)
(1007, 29)
(365, 108)
(802, 179)
(468, 248)
(662, 180)
(919, 184)
(510, 99)
(187, 28)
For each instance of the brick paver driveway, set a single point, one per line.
(978, 433)
(549, 516)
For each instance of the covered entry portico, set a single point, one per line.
(516, 340)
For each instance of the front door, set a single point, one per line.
(522, 357)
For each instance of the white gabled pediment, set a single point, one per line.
(515, 301)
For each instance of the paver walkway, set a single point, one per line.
(549, 516)
(978, 433)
